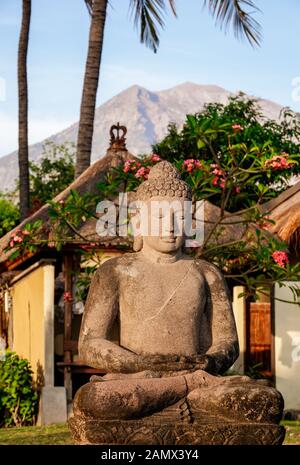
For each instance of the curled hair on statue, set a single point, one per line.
(164, 181)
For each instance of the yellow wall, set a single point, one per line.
(29, 318)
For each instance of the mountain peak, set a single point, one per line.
(145, 113)
(135, 90)
(189, 86)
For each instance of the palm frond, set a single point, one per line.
(233, 13)
(148, 18)
(89, 5)
(173, 7)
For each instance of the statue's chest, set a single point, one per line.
(176, 294)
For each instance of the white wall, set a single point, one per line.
(287, 347)
(239, 310)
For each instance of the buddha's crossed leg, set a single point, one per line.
(122, 396)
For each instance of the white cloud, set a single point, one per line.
(39, 129)
(2, 89)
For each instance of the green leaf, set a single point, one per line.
(200, 144)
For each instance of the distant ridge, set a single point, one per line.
(146, 115)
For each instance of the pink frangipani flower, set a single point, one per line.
(280, 258)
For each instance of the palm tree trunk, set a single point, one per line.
(90, 86)
(23, 109)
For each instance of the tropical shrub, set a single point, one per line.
(52, 174)
(259, 155)
(18, 399)
(9, 215)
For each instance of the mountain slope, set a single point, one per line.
(146, 115)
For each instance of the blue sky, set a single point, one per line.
(192, 49)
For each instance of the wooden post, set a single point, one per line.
(68, 297)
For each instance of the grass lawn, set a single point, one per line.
(59, 434)
(292, 432)
(52, 434)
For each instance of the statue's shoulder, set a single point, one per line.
(208, 269)
(214, 277)
(113, 265)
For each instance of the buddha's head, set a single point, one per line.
(162, 196)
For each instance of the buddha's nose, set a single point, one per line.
(172, 222)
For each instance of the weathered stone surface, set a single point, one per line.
(155, 432)
(176, 336)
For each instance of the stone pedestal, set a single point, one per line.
(155, 431)
(177, 425)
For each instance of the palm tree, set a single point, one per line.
(88, 100)
(148, 18)
(233, 12)
(23, 109)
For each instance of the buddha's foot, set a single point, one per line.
(202, 379)
(237, 400)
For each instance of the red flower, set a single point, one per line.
(237, 128)
(218, 172)
(278, 162)
(142, 173)
(155, 158)
(127, 165)
(280, 258)
(190, 165)
(68, 297)
(263, 223)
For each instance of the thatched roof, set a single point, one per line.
(284, 210)
(86, 183)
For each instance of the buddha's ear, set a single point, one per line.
(135, 226)
(138, 243)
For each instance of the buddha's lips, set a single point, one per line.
(170, 240)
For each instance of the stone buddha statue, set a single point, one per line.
(177, 336)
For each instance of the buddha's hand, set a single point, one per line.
(203, 362)
(161, 362)
(197, 362)
(158, 362)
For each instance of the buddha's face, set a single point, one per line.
(165, 224)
